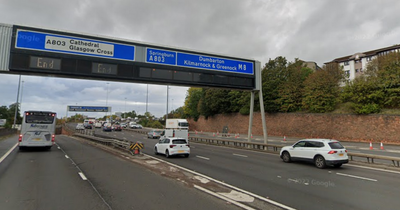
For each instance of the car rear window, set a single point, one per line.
(335, 145)
(179, 141)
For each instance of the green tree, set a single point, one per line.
(272, 79)
(321, 92)
(192, 100)
(292, 87)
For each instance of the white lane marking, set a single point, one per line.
(82, 176)
(225, 184)
(124, 137)
(58, 148)
(240, 155)
(8, 152)
(375, 169)
(205, 158)
(357, 177)
(394, 151)
(66, 156)
(223, 198)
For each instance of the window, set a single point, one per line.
(347, 73)
(369, 58)
(356, 70)
(335, 145)
(300, 144)
(357, 61)
(346, 63)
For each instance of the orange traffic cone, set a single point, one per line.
(381, 145)
(370, 145)
(251, 135)
(213, 134)
(284, 138)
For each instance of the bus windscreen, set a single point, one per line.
(40, 117)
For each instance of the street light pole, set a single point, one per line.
(147, 96)
(17, 104)
(166, 116)
(107, 101)
(125, 110)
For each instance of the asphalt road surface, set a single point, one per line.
(298, 185)
(73, 175)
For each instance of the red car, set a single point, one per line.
(117, 128)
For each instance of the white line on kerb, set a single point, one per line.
(240, 155)
(357, 177)
(375, 169)
(82, 176)
(66, 156)
(223, 198)
(8, 152)
(205, 158)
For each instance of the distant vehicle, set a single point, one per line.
(38, 129)
(169, 133)
(107, 127)
(321, 152)
(132, 124)
(80, 126)
(88, 126)
(124, 125)
(177, 124)
(137, 126)
(117, 127)
(172, 146)
(97, 125)
(154, 134)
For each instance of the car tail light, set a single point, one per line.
(345, 151)
(20, 138)
(172, 146)
(332, 152)
(187, 145)
(52, 138)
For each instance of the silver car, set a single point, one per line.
(154, 134)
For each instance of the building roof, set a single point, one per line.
(364, 54)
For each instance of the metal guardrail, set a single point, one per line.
(123, 144)
(276, 148)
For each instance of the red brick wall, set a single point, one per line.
(374, 128)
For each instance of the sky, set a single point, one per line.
(318, 31)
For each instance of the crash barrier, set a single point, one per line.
(370, 158)
(7, 131)
(109, 142)
(276, 148)
(136, 130)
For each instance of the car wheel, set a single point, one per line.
(155, 151)
(337, 165)
(319, 162)
(286, 157)
(167, 154)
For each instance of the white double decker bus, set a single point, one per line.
(38, 129)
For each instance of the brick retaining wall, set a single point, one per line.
(374, 128)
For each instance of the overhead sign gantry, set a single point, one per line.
(63, 54)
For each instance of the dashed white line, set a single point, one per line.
(205, 158)
(66, 156)
(8, 152)
(375, 169)
(357, 177)
(240, 155)
(82, 176)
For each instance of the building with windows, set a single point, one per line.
(355, 65)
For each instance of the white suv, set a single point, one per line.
(321, 152)
(172, 146)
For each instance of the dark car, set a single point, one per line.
(88, 126)
(107, 127)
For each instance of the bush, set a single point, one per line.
(367, 109)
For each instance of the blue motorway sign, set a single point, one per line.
(89, 109)
(73, 45)
(189, 60)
